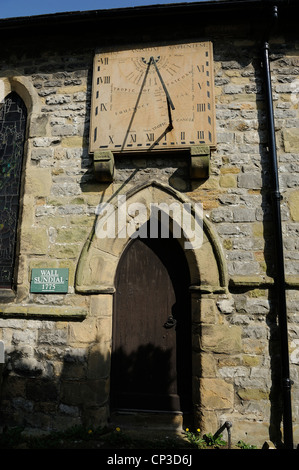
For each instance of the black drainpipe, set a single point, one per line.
(280, 273)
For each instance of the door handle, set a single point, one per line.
(170, 323)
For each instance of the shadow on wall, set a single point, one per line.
(138, 383)
(267, 219)
(276, 401)
(55, 389)
(35, 396)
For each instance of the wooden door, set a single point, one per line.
(151, 359)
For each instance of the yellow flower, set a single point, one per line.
(198, 430)
(187, 429)
(117, 429)
(90, 431)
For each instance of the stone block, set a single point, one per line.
(58, 99)
(253, 432)
(74, 234)
(208, 365)
(38, 125)
(74, 87)
(241, 214)
(206, 420)
(226, 306)
(257, 306)
(13, 386)
(97, 265)
(42, 390)
(216, 394)
(64, 189)
(64, 251)
(291, 140)
(255, 346)
(69, 410)
(28, 216)
(73, 141)
(104, 328)
(221, 339)
(294, 205)
(95, 417)
(28, 367)
(52, 337)
(206, 262)
(228, 181)
(221, 215)
(210, 183)
(41, 153)
(45, 141)
(99, 361)
(101, 305)
(233, 89)
(250, 180)
(38, 181)
(34, 240)
(243, 267)
(84, 332)
(91, 392)
(75, 370)
(64, 130)
(207, 311)
(253, 394)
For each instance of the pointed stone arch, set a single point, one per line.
(14, 82)
(100, 256)
(96, 276)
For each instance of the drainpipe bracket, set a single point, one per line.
(277, 195)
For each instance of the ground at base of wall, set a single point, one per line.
(79, 438)
(105, 439)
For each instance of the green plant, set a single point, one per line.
(242, 445)
(212, 441)
(119, 438)
(195, 439)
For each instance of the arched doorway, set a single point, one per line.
(98, 272)
(151, 356)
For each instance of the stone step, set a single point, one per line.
(136, 419)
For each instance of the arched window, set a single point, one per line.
(13, 115)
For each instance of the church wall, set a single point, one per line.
(58, 346)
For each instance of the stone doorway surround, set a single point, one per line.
(95, 276)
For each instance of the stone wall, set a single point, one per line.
(58, 346)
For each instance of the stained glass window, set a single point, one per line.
(13, 116)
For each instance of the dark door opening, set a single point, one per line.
(151, 351)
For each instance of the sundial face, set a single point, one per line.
(153, 98)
